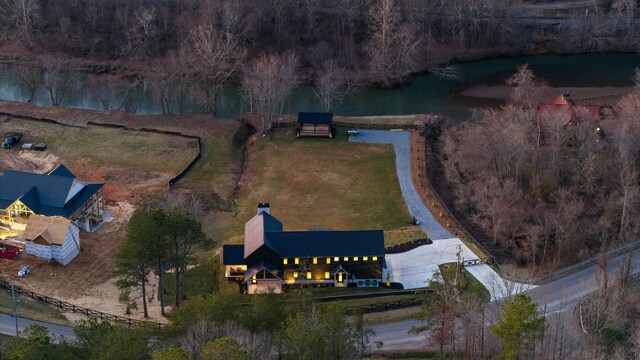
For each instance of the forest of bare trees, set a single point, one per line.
(543, 190)
(186, 49)
(384, 40)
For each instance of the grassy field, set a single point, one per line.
(403, 235)
(31, 309)
(107, 147)
(469, 285)
(319, 183)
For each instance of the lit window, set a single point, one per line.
(297, 261)
(374, 258)
(336, 259)
(355, 258)
(340, 277)
(365, 258)
(285, 261)
(328, 260)
(315, 261)
(327, 275)
(346, 258)
(308, 275)
(295, 275)
(254, 280)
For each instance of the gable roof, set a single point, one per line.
(47, 230)
(565, 104)
(58, 193)
(315, 118)
(292, 244)
(62, 170)
(254, 231)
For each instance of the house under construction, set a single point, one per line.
(58, 193)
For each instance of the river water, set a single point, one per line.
(427, 93)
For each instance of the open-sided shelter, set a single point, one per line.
(313, 124)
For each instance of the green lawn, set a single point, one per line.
(318, 183)
(31, 309)
(469, 285)
(107, 147)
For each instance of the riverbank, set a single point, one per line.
(602, 96)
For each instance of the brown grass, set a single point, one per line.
(319, 183)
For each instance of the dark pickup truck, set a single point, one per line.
(11, 139)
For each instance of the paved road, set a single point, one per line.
(401, 141)
(8, 327)
(559, 296)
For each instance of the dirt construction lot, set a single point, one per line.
(130, 163)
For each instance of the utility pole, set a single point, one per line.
(15, 312)
(458, 265)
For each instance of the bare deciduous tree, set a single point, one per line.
(21, 17)
(527, 89)
(332, 86)
(217, 53)
(393, 47)
(58, 77)
(268, 82)
(30, 79)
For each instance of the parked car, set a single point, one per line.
(11, 139)
(24, 270)
(352, 132)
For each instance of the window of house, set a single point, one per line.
(297, 261)
(327, 275)
(328, 260)
(336, 259)
(285, 261)
(308, 275)
(365, 258)
(375, 258)
(346, 258)
(295, 275)
(339, 277)
(355, 258)
(315, 261)
(254, 279)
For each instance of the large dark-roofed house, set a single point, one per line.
(313, 124)
(273, 259)
(58, 193)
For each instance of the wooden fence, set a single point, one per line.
(449, 214)
(163, 132)
(65, 306)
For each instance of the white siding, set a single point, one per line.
(62, 254)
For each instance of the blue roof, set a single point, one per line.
(46, 194)
(233, 254)
(315, 118)
(327, 243)
(62, 170)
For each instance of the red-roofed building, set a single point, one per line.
(563, 103)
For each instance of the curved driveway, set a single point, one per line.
(414, 268)
(401, 141)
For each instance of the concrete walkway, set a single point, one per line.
(414, 268)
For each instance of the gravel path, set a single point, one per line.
(401, 141)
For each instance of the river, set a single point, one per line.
(426, 93)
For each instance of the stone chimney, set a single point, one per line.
(264, 207)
